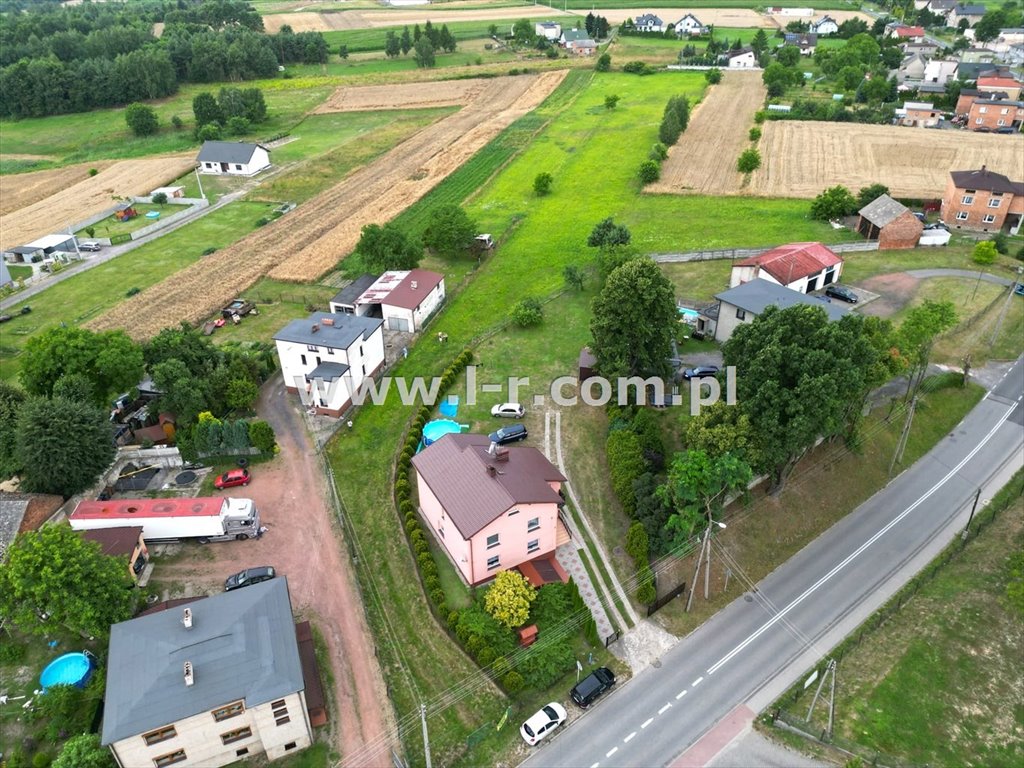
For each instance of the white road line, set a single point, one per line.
(612, 752)
(627, 739)
(697, 682)
(647, 722)
(595, 765)
(662, 710)
(680, 695)
(860, 550)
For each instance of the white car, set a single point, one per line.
(509, 410)
(542, 723)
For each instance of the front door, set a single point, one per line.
(830, 276)
(223, 167)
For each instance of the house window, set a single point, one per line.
(360, 350)
(979, 121)
(238, 167)
(236, 735)
(533, 545)
(492, 563)
(330, 350)
(303, 359)
(982, 110)
(169, 759)
(989, 219)
(290, 745)
(513, 512)
(231, 710)
(312, 348)
(1000, 121)
(967, 200)
(242, 752)
(160, 734)
(961, 216)
(280, 710)
(441, 531)
(493, 541)
(533, 525)
(1004, 111)
(994, 203)
(741, 314)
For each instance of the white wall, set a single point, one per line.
(291, 354)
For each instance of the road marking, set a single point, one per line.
(626, 740)
(860, 550)
(595, 765)
(680, 695)
(612, 752)
(697, 682)
(647, 722)
(662, 710)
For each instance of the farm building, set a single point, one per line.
(920, 114)
(233, 158)
(743, 303)
(5, 274)
(993, 115)
(890, 223)
(802, 267)
(689, 26)
(744, 58)
(169, 191)
(551, 30)
(826, 25)
(328, 356)
(403, 300)
(345, 300)
(983, 200)
(581, 47)
(52, 247)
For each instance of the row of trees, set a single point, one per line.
(449, 232)
(429, 40)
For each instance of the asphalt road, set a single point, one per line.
(734, 665)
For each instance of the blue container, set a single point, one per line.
(69, 669)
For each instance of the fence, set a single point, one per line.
(664, 600)
(746, 253)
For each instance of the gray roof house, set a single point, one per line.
(218, 679)
(743, 303)
(233, 158)
(345, 300)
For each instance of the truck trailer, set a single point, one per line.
(204, 519)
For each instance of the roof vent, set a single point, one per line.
(328, 321)
(414, 285)
(492, 470)
(190, 679)
(315, 328)
(186, 618)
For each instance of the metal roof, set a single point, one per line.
(883, 210)
(415, 287)
(347, 296)
(758, 295)
(241, 646)
(987, 180)
(329, 329)
(12, 512)
(115, 541)
(793, 261)
(227, 152)
(328, 371)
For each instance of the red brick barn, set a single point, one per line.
(890, 223)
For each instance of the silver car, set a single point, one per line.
(509, 410)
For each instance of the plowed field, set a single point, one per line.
(310, 240)
(800, 159)
(74, 202)
(20, 189)
(703, 161)
(441, 93)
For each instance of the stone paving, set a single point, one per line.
(569, 558)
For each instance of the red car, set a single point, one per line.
(231, 478)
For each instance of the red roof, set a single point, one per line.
(998, 82)
(416, 286)
(909, 31)
(793, 262)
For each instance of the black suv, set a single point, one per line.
(593, 685)
(249, 576)
(511, 434)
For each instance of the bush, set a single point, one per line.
(423, 559)
(412, 525)
(669, 130)
(604, 63)
(453, 620)
(485, 656)
(41, 760)
(611, 100)
(760, 116)
(12, 652)
(262, 221)
(637, 544)
(527, 313)
(208, 132)
(755, 133)
(984, 253)
(261, 435)
(658, 151)
(749, 160)
(402, 486)
(649, 172)
(92, 172)
(638, 68)
(210, 250)
(713, 76)
(542, 183)
(177, 122)
(513, 682)
(437, 597)
(142, 120)
(1001, 242)
(834, 203)
(646, 593)
(625, 464)
(132, 291)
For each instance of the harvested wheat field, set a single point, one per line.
(800, 159)
(703, 161)
(299, 22)
(75, 202)
(316, 235)
(20, 189)
(436, 93)
(839, 16)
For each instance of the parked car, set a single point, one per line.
(700, 372)
(510, 434)
(232, 478)
(249, 576)
(91, 247)
(542, 722)
(509, 410)
(1004, 129)
(840, 292)
(1019, 289)
(937, 225)
(592, 686)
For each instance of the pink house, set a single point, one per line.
(492, 508)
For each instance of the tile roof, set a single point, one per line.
(339, 330)
(408, 297)
(242, 646)
(793, 261)
(758, 295)
(456, 468)
(12, 511)
(987, 180)
(883, 210)
(227, 152)
(115, 541)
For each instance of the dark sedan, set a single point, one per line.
(249, 576)
(839, 292)
(700, 372)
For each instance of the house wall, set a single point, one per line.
(141, 550)
(260, 159)
(744, 61)
(514, 536)
(902, 232)
(742, 275)
(728, 321)
(971, 214)
(428, 306)
(994, 116)
(437, 521)
(200, 737)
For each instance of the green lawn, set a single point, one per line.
(111, 227)
(278, 304)
(373, 39)
(19, 271)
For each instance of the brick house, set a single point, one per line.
(970, 95)
(890, 223)
(802, 267)
(919, 113)
(993, 114)
(984, 201)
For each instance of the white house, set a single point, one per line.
(826, 25)
(552, 30)
(743, 303)
(233, 158)
(972, 13)
(802, 267)
(47, 248)
(402, 299)
(208, 683)
(689, 25)
(939, 71)
(744, 58)
(648, 22)
(327, 356)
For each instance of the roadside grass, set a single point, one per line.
(979, 320)
(215, 186)
(699, 280)
(111, 227)
(19, 271)
(861, 265)
(87, 294)
(939, 683)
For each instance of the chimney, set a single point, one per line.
(492, 470)
(328, 321)
(501, 454)
(186, 618)
(315, 328)
(414, 285)
(189, 677)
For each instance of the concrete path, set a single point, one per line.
(922, 274)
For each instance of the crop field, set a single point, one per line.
(315, 236)
(18, 190)
(839, 16)
(704, 159)
(441, 93)
(74, 203)
(801, 158)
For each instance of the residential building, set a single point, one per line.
(976, 56)
(551, 30)
(216, 681)
(233, 158)
(344, 301)
(984, 201)
(970, 95)
(124, 543)
(689, 26)
(919, 114)
(904, 32)
(1000, 84)
(992, 115)
(329, 356)
(22, 512)
(911, 70)
(744, 58)
(1014, 55)
(939, 7)
(972, 13)
(403, 299)
(585, 47)
(48, 248)
(926, 49)
(570, 35)
(802, 267)
(940, 71)
(889, 222)
(743, 303)
(826, 25)
(648, 22)
(490, 508)
(804, 41)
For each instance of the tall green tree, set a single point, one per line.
(697, 486)
(141, 119)
(834, 203)
(917, 334)
(607, 233)
(388, 247)
(56, 574)
(634, 319)
(759, 43)
(721, 428)
(11, 401)
(186, 344)
(424, 53)
(406, 41)
(84, 751)
(206, 110)
(508, 599)
(392, 45)
(184, 394)
(450, 231)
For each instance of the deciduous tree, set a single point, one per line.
(542, 183)
(388, 248)
(12, 400)
(84, 751)
(606, 233)
(871, 193)
(697, 486)
(834, 203)
(142, 120)
(424, 54)
(450, 231)
(508, 599)
(206, 109)
(917, 334)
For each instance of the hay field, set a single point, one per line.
(299, 22)
(74, 202)
(20, 189)
(310, 240)
(437, 93)
(703, 161)
(800, 159)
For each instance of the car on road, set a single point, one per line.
(542, 722)
(509, 410)
(842, 293)
(249, 577)
(592, 686)
(91, 247)
(700, 372)
(1019, 289)
(232, 478)
(510, 434)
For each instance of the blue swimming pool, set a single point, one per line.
(689, 315)
(69, 669)
(438, 428)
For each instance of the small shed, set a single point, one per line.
(890, 223)
(169, 191)
(587, 364)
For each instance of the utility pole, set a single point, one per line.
(830, 668)
(696, 573)
(902, 444)
(705, 553)
(967, 528)
(426, 738)
(200, 183)
(967, 369)
(832, 701)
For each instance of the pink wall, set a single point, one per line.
(437, 520)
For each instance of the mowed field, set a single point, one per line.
(311, 240)
(18, 190)
(703, 161)
(74, 202)
(801, 158)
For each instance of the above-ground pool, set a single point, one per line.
(69, 669)
(438, 428)
(689, 315)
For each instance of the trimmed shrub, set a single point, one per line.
(649, 172)
(637, 544)
(437, 597)
(755, 133)
(411, 525)
(713, 76)
(646, 593)
(658, 151)
(485, 656)
(453, 620)
(474, 644)
(749, 160)
(527, 313)
(261, 435)
(512, 682)
(423, 559)
(625, 464)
